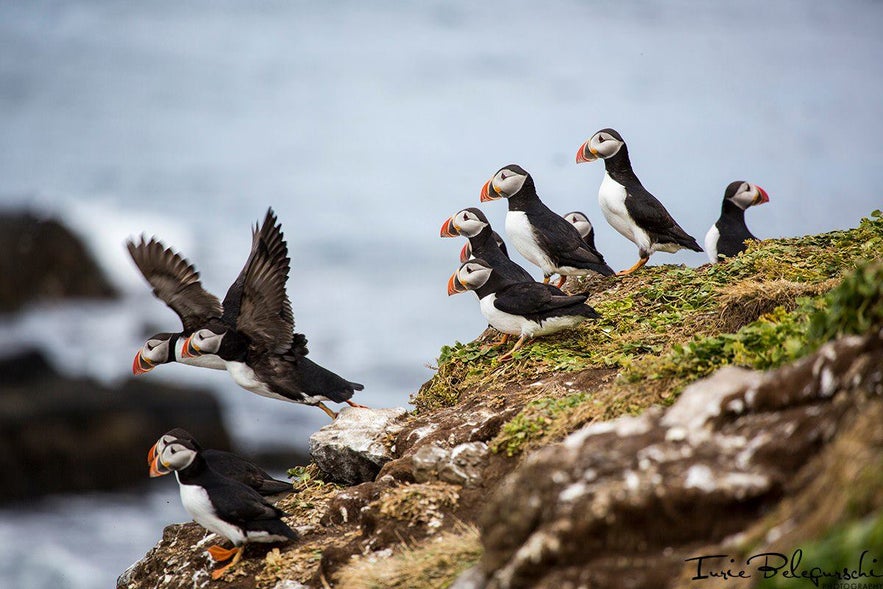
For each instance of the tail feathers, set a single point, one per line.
(602, 269)
(273, 487)
(317, 381)
(275, 527)
(589, 313)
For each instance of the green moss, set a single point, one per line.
(533, 423)
(839, 550)
(673, 324)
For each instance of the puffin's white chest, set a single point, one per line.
(522, 236)
(197, 503)
(203, 361)
(711, 241)
(611, 198)
(245, 377)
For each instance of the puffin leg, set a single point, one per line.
(354, 404)
(502, 342)
(637, 265)
(325, 408)
(218, 573)
(219, 553)
(561, 281)
(518, 344)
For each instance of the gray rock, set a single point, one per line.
(461, 465)
(471, 578)
(353, 448)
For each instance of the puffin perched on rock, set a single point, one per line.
(472, 224)
(627, 205)
(541, 236)
(727, 236)
(256, 340)
(525, 309)
(220, 504)
(224, 463)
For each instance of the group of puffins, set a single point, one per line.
(512, 302)
(251, 333)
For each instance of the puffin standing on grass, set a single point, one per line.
(525, 309)
(541, 236)
(221, 505)
(257, 343)
(224, 463)
(727, 236)
(628, 206)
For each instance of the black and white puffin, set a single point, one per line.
(257, 342)
(220, 504)
(541, 236)
(728, 234)
(224, 463)
(583, 226)
(175, 282)
(525, 309)
(472, 224)
(627, 205)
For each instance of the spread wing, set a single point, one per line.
(265, 311)
(175, 282)
(531, 298)
(649, 213)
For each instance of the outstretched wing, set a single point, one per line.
(264, 308)
(175, 282)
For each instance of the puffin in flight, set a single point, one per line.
(220, 504)
(541, 236)
(525, 309)
(627, 205)
(257, 342)
(727, 236)
(224, 463)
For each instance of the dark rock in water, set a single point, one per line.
(60, 434)
(43, 260)
(626, 502)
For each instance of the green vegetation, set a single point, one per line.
(669, 325)
(535, 422)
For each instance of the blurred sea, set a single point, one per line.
(365, 125)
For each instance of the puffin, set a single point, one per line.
(467, 253)
(176, 282)
(541, 236)
(583, 225)
(220, 504)
(224, 463)
(628, 206)
(525, 309)
(727, 236)
(257, 342)
(472, 224)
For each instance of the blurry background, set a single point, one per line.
(365, 125)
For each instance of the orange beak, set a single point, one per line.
(188, 350)
(155, 470)
(141, 365)
(586, 153)
(761, 197)
(465, 253)
(448, 229)
(454, 285)
(487, 193)
(151, 454)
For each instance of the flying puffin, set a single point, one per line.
(525, 309)
(467, 253)
(583, 225)
(175, 282)
(728, 234)
(257, 341)
(627, 205)
(541, 236)
(220, 504)
(224, 463)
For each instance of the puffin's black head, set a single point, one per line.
(471, 275)
(580, 221)
(176, 454)
(604, 144)
(507, 182)
(155, 351)
(745, 194)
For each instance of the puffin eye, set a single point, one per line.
(465, 216)
(503, 175)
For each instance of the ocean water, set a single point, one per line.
(364, 125)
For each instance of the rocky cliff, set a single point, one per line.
(711, 415)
